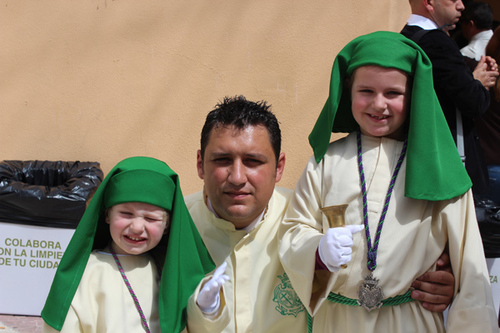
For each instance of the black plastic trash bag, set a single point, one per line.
(488, 218)
(45, 193)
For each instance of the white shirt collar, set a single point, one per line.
(422, 22)
(482, 35)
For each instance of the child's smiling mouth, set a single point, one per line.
(135, 239)
(378, 117)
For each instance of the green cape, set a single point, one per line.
(184, 258)
(434, 170)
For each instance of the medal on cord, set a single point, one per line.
(370, 295)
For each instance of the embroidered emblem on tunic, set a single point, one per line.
(286, 298)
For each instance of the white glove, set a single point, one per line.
(208, 299)
(335, 246)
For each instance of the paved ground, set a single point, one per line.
(20, 324)
(23, 324)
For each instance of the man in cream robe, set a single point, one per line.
(258, 296)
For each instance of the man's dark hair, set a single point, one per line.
(479, 12)
(239, 112)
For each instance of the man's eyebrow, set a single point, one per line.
(257, 156)
(219, 153)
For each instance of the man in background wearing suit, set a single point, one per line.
(456, 86)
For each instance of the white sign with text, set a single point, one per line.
(29, 257)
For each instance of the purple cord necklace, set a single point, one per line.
(132, 293)
(370, 294)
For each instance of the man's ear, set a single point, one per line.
(199, 164)
(429, 5)
(280, 168)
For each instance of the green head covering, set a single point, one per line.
(184, 257)
(434, 170)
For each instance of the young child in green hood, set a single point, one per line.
(405, 187)
(134, 260)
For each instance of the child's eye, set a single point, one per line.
(126, 213)
(395, 93)
(152, 219)
(365, 91)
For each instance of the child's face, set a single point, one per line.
(379, 101)
(136, 227)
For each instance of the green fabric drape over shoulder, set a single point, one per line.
(434, 170)
(182, 254)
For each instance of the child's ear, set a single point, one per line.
(167, 224)
(107, 215)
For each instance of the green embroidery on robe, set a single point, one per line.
(288, 303)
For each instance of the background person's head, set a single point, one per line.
(476, 17)
(240, 159)
(442, 12)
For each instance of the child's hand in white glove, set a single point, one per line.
(335, 246)
(208, 299)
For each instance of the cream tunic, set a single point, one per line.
(102, 302)
(258, 297)
(414, 235)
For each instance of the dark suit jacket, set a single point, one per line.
(456, 88)
(488, 125)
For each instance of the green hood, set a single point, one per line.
(434, 170)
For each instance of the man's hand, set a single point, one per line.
(486, 71)
(491, 64)
(435, 289)
(208, 299)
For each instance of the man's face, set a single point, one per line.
(446, 11)
(239, 170)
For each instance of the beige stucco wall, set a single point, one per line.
(101, 80)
